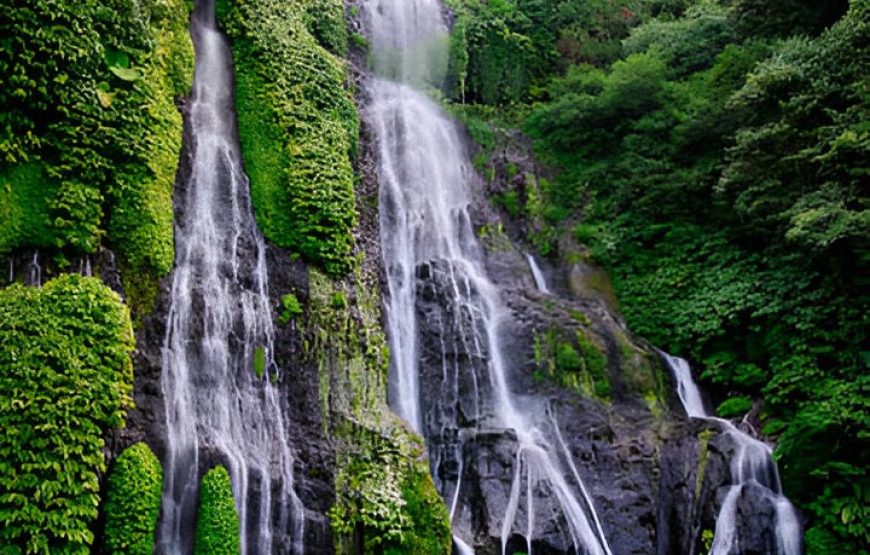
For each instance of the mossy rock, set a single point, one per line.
(298, 125)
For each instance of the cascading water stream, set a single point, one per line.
(426, 178)
(219, 407)
(540, 280)
(751, 465)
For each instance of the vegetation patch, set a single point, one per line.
(217, 522)
(134, 492)
(386, 494)
(576, 363)
(298, 124)
(65, 378)
(90, 143)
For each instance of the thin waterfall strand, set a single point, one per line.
(219, 320)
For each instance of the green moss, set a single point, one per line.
(703, 457)
(383, 492)
(134, 491)
(298, 125)
(349, 346)
(595, 365)
(292, 308)
(260, 362)
(576, 363)
(65, 378)
(217, 523)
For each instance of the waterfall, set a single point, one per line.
(217, 368)
(752, 465)
(34, 271)
(540, 281)
(426, 180)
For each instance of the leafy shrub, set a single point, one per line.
(217, 523)
(298, 126)
(134, 492)
(65, 378)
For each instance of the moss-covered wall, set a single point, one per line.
(297, 122)
(386, 501)
(299, 134)
(90, 140)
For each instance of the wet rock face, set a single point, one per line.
(615, 449)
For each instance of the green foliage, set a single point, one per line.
(503, 52)
(65, 378)
(386, 493)
(88, 99)
(734, 407)
(134, 492)
(325, 21)
(292, 308)
(298, 125)
(217, 523)
(720, 179)
(24, 192)
(687, 44)
(430, 533)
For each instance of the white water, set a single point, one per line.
(34, 271)
(540, 280)
(217, 409)
(752, 464)
(426, 178)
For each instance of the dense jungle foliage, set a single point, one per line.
(713, 156)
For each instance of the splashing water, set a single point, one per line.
(752, 464)
(219, 407)
(426, 232)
